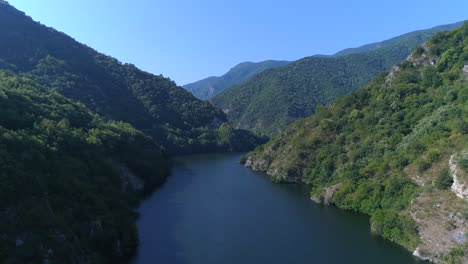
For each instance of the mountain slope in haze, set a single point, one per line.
(395, 150)
(154, 104)
(411, 39)
(69, 180)
(209, 87)
(271, 100)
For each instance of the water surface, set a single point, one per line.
(214, 211)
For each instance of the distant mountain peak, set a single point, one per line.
(211, 86)
(407, 37)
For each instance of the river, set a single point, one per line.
(212, 210)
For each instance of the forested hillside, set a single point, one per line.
(395, 150)
(271, 100)
(154, 104)
(69, 180)
(83, 139)
(211, 86)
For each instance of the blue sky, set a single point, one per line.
(187, 40)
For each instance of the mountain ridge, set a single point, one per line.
(391, 41)
(211, 86)
(394, 150)
(274, 98)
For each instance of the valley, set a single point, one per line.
(217, 211)
(275, 161)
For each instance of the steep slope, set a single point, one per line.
(209, 87)
(395, 150)
(274, 98)
(69, 180)
(114, 90)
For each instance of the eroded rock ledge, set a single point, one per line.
(459, 186)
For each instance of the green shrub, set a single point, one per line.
(434, 156)
(463, 162)
(444, 179)
(418, 51)
(430, 77)
(423, 165)
(456, 255)
(462, 126)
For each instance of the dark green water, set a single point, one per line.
(214, 211)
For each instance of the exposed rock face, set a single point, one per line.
(417, 253)
(315, 199)
(258, 164)
(417, 59)
(129, 179)
(459, 186)
(391, 76)
(274, 166)
(276, 163)
(329, 192)
(418, 180)
(248, 163)
(263, 163)
(440, 220)
(210, 90)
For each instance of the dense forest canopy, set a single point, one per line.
(271, 100)
(122, 92)
(83, 138)
(64, 195)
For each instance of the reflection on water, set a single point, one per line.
(213, 210)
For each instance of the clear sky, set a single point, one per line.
(188, 40)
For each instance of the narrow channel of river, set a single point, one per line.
(212, 210)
